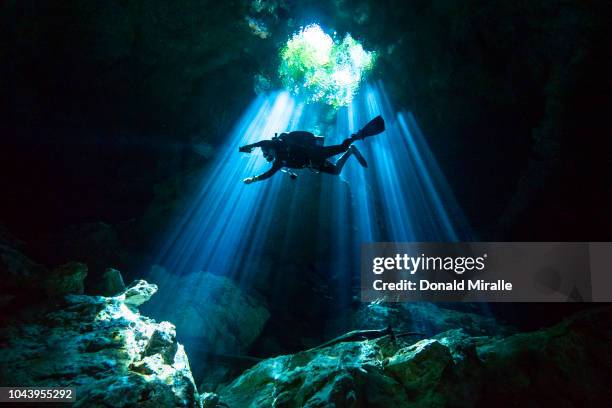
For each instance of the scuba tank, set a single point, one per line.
(301, 139)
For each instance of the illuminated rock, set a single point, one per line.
(217, 317)
(541, 368)
(104, 348)
(138, 292)
(218, 313)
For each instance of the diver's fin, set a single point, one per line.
(374, 127)
(359, 156)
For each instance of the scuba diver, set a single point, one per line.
(299, 149)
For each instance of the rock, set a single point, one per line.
(323, 377)
(209, 400)
(218, 317)
(219, 312)
(110, 353)
(25, 282)
(95, 244)
(18, 272)
(568, 364)
(112, 282)
(433, 318)
(23, 277)
(419, 366)
(163, 342)
(423, 317)
(138, 293)
(66, 279)
(565, 365)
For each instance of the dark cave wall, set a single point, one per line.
(105, 99)
(109, 109)
(133, 65)
(511, 96)
(103, 105)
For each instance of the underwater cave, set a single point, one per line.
(191, 191)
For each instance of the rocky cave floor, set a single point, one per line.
(54, 335)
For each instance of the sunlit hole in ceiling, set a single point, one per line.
(321, 68)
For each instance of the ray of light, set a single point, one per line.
(401, 196)
(215, 232)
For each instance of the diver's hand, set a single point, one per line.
(245, 149)
(249, 180)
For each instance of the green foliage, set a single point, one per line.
(321, 68)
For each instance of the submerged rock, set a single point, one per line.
(425, 317)
(566, 365)
(18, 272)
(217, 318)
(138, 293)
(66, 279)
(112, 282)
(28, 281)
(104, 348)
(218, 312)
(209, 400)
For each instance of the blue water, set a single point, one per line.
(230, 227)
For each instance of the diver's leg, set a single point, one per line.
(359, 156)
(336, 168)
(342, 160)
(328, 167)
(329, 151)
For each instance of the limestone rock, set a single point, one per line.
(425, 317)
(23, 278)
(334, 376)
(93, 243)
(218, 312)
(112, 282)
(138, 293)
(110, 353)
(420, 366)
(17, 271)
(217, 317)
(66, 279)
(209, 400)
(568, 364)
(565, 365)
(163, 342)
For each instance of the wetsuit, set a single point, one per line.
(296, 156)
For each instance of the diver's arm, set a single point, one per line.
(248, 148)
(275, 167)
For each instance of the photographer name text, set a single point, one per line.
(455, 285)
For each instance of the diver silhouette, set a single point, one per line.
(299, 149)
